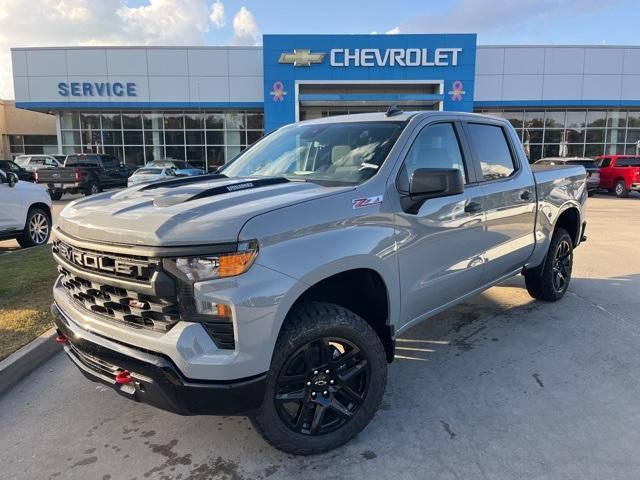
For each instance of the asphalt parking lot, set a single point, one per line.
(499, 387)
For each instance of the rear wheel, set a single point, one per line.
(549, 282)
(93, 189)
(326, 381)
(621, 189)
(37, 229)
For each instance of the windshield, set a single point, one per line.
(22, 161)
(336, 153)
(149, 171)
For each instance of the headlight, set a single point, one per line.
(220, 265)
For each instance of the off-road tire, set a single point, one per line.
(621, 190)
(309, 322)
(540, 281)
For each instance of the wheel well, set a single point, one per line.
(44, 207)
(364, 293)
(570, 221)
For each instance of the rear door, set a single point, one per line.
(606, 173)
(439, 253)
(11, 207)
(509, 199)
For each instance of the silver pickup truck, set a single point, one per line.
(276, 287)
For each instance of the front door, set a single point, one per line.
(440, 257)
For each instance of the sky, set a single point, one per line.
(25, 23)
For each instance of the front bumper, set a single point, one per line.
(154, 378)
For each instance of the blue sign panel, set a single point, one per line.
(449, 59)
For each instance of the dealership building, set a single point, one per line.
(206, 104)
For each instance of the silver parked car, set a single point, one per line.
(36, 162)
(589, 164)
(150, 174)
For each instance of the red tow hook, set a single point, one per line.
(61, 338)
(123, 376)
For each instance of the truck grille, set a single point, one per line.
(119, 304)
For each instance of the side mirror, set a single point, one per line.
(426, 183)
(12, 179)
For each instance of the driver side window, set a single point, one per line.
(436, 146)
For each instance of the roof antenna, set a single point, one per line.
(392, 111)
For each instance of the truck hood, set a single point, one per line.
(187, 211)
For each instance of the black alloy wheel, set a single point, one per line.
(562, 264)
(322, 386)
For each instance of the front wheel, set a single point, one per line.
(549, 282)
(326, 381)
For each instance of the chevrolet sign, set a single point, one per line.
(375, 57)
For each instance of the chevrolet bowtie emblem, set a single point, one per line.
(301, 58)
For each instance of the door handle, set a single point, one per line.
(472, 207)
(525, 195)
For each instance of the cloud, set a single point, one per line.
(501, 20)
(98, 22)
(393, 31)
(245, 28)
(217, 17)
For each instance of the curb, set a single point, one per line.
(22, 362)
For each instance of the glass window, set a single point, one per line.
(628, 162)
(195, 137)
(492, 149)
(177, 153)
(174, 137)
(112, 137)
(233, 152)
(132, 121)
(553, 136)
(515, 117)
(596, 118)
(633, 136)
(115, 151)
(134, 155)
(152, 121)
(551, 150)
(616, 118)
(111, 121)
(193, 121)
(631, 149)
(234, 120)
(633, 119)
(533, 136)
(614, 149)
(253, 136)
(575, 150)
(215, 156)
(255, 121)
(534, 152)
(173, 121)
(70, 138)
(615, 135)
(554, 118)
(69, 121)
(153, 137)
(215, 137)
(214, 121)
(436, 146)
(574, 135)
(90, 121)
(576, 119)
(16, 140)
(235, 137)
(91, 137)
(595, 135)
(33, 149)
(593, 150)
(533, 119)
(195, 156)
(133, 137)
(154, 153)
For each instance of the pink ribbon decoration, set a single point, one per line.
(456, 91)
(278, 92)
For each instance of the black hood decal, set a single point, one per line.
(241, 185)
(178, 182)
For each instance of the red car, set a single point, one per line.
(619, 173)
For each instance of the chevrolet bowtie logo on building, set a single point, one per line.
(301, 58)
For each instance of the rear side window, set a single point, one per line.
(628, 162)
(436, 146)
(22, 161)
(492, 150)
(605, 162)
(82, 160)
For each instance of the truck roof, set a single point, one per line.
(400, 116)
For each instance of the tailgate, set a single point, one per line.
(57, 175)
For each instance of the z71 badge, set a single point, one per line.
(366, 202)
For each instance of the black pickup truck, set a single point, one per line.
(84, 173)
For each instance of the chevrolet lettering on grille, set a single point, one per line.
(101, 262)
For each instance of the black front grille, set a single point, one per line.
(119, 304)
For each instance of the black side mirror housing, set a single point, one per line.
(426, 183)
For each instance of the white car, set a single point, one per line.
(36, 162)
(25, 212)
(150, 174)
